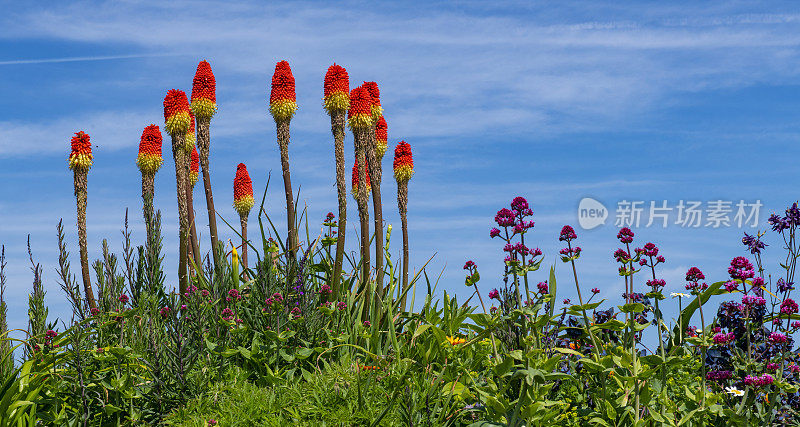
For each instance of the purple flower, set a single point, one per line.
(123, 299)
(567, 234)
(494, 294)
(778, 223)
(772, 366)
(164, 311)
(783, 286)
(793, 215)
(753, 243)
(595, 290)
(657, 283)
(731, 286)
(567, 301)
(341, 305)
(329, 217)
(494, 232)
(660, 259)
(469, 265)
(625, 235)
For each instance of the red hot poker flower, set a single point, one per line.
(360, 114)
(243, 199)
(194, 167)
(81, 155)
(176, 112)
(375, 93)
(403, 162)
(204, 91)
(355, 179)
(381, 137)
(282, 98)
(149, 159)
(336, 89)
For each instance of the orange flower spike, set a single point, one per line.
(176, 112)
(204, 91)
(149, 159)
(381, 137)
(403, 162)
(243, 199)
(336, 89)
(355, 180)
(81, 155)
(190, 135)
(282, 98)
(375, 93)
(359, 115)
(194, 167)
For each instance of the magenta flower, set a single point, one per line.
(788, 307)
(694, 275)
(567, 301)
(741, 268)
(722, 338)
(650, 249)
(123, 299)
(505, 218)
(494, 232)
(494, 294)
(164, 311)
(625, 235)
(542, 287)
(595, 290)
(731, 286)
(753, 301)
(778, 338)
(567, 234)
(469, 265)
(772, 366)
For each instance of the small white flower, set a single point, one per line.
(734, 391)
(679, 294)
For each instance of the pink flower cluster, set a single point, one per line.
(723, 338)
(765, 379)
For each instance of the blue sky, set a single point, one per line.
(554, 102)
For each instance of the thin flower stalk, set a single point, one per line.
(80, 161)
(359, 118)
(282, 106)
(337, 102)
(177, 121)
(204, 106)
(403, 166)
(375, 171)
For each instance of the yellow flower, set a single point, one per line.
(456, 340)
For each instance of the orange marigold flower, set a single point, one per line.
(282, 98)
(375, 93)
(355, 179)
(194, 167)
(243, 199)
(403, 162)
(204, 91)
(176, 112)
(81, 155)
(149, 159)
(360, 114)
(381, 137)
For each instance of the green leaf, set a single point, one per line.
(634, 307)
